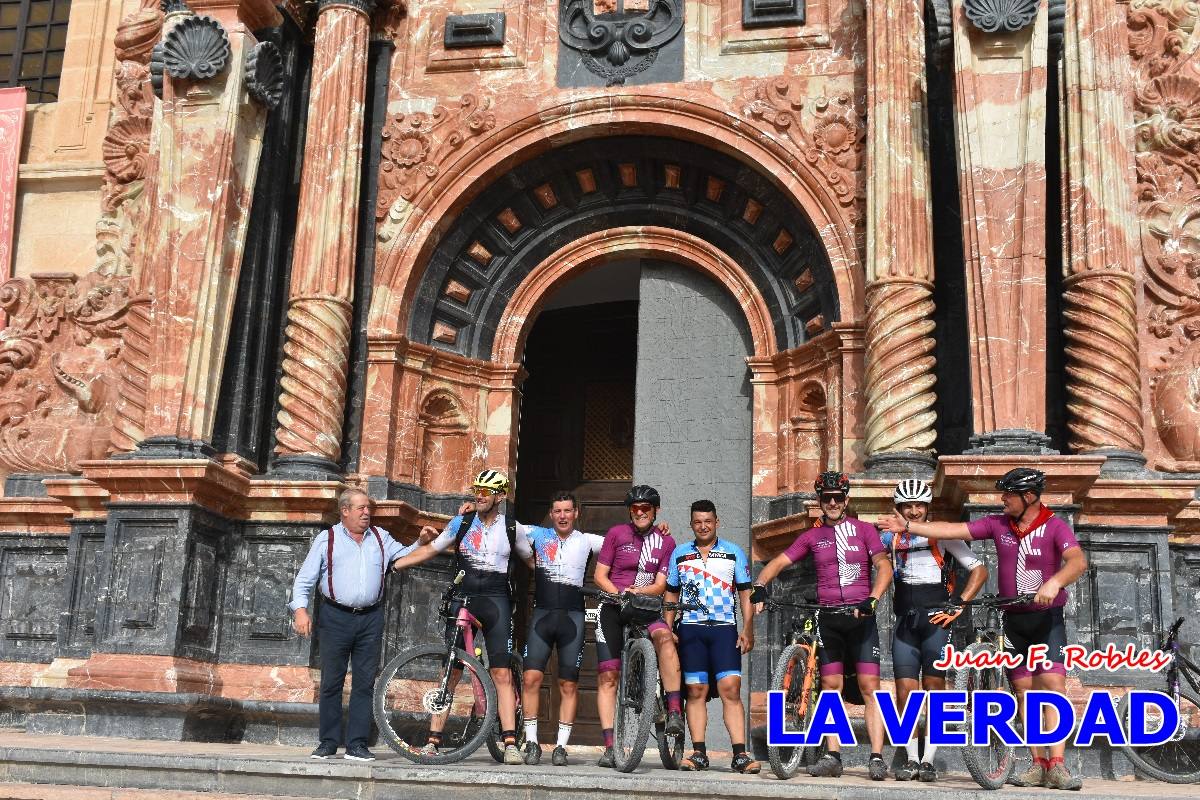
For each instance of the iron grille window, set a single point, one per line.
(33, 36)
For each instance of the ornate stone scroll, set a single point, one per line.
(899, 325)
(1166, 107)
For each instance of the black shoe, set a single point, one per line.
(927, 773)
(559, 757)
(826, 767)
(533, 753)
(607, 759)
(359, 753)
(694, 763)
(674, 726)
(745, 764)
(908, 770)
(877, 769)
(324, 750)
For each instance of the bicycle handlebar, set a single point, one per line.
(617, 599)
(779, 605)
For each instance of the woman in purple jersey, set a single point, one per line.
(1037, 554)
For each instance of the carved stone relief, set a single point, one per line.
(56, 369)
(831, 140)
(1167, 115)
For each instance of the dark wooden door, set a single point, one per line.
(576, 434)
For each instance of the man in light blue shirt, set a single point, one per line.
(349, 572)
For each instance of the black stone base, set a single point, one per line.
(169, 447)
(901, 464)
(27, 484)
(1010, 441)
(305, 468)
(183, 717)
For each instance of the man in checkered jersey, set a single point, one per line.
(710, 647)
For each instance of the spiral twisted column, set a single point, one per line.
(1104, 380)
(1103, 367)
(900, 420)
(900, 364)
(308, 434)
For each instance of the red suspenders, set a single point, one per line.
(329, 560)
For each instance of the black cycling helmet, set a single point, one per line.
(1022, 480)
(643, 494)
(832, 482)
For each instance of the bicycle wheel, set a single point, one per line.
(495, 747)
(670, 748)
(409, 696)
(792, 677)
(994, 763)
(636, 688)
(1176, 761)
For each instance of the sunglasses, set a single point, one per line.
(641, 508)
(478, 490)
(833, 498)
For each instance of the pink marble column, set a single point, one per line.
(313, 386)
(1104, 378)
(1000, 127)
(899, 325)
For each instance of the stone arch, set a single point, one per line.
(573, 192)
(663, 244)
(445, 441)
(412, 230)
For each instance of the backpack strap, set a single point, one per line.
(464, 525)
(329, 563)
(949, 573)
(510, 527)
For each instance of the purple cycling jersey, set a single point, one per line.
(1026, 563)
(632, 559)
(842, 555)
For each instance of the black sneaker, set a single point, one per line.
(324, 750)
(826, 767)
(696, 762)
(907, 771)
(674, 726)
(558, 757)
(928, 773)
(607, 759)
(877, 769)
(745, 764)
(359, 753)
(533, 753)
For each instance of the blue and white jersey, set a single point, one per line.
(560, 565)
(718, 578)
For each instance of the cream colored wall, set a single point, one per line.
(61, 172)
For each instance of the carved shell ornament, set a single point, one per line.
(994, 16)
(196, 48)
(618, 45)
(264, 74)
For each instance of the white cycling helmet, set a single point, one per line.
(912, 490)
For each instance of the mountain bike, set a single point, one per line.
(449, 683)
(639, 705)
(1178, 760)
(993, 764)
(797, 675)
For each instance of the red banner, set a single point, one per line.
(12, 126)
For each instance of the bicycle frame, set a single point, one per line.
(465, 624)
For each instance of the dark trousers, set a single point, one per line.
(356, 638)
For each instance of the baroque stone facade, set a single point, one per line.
(265, 323)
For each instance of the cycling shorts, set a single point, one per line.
(610, 637)
(1027, 628)
(916, 644)
(708, 653)
(494, 613)
(561, 630)
(847, 639)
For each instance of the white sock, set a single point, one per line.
(930, 750)
(564, 733)
(912, 747)
(531, 731)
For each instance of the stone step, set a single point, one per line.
(278, 772)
